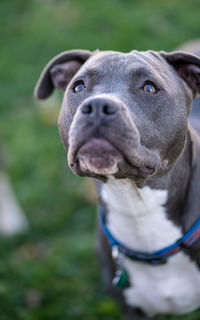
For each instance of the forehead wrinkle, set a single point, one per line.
(104, 59)
(139, 70)
(148, 74)
(106, 65)
(153, 62)
(151, 66)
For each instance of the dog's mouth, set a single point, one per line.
(100, 158)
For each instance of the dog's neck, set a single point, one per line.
(152, 209)
(135, 216)
(177, 183)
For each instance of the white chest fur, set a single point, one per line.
(137, 218)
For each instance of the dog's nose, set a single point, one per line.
(99, 109)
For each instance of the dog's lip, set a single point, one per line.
(100, 155)
(101, 141)
(144, 171)
(98, 143)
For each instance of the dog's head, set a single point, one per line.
(123, 114)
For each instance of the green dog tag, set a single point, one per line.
(121, 278)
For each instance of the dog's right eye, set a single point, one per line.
(78, 86)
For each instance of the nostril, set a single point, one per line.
(109, 109)
(98, 108)
(87, 109)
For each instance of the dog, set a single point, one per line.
(124, 123)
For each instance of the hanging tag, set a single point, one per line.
(121, 278)
(115, 252)
(121, 275)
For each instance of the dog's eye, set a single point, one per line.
(78, 86)
(149, 88)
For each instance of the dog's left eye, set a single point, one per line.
(149, 88)
(79, 86)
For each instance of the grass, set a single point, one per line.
(51, 272)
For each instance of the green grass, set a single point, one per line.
(51, 272)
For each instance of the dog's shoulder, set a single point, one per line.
(194, 117)
(192, 201)
(195, 142)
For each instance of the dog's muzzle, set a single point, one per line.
(104, 140)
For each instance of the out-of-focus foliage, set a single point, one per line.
(51, 272)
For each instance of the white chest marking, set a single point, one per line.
(137, 218)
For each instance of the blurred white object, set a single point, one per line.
(12, 217)
(192, 46)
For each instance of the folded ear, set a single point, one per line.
(59, 71)
(188, 67)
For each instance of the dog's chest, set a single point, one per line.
(137, 218)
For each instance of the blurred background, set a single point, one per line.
(50, 272)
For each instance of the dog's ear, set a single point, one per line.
(59, 71)
(188, 67)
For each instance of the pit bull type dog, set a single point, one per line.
(124, 122)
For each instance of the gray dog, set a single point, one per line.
(124, 122)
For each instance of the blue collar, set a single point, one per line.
(158, 256)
